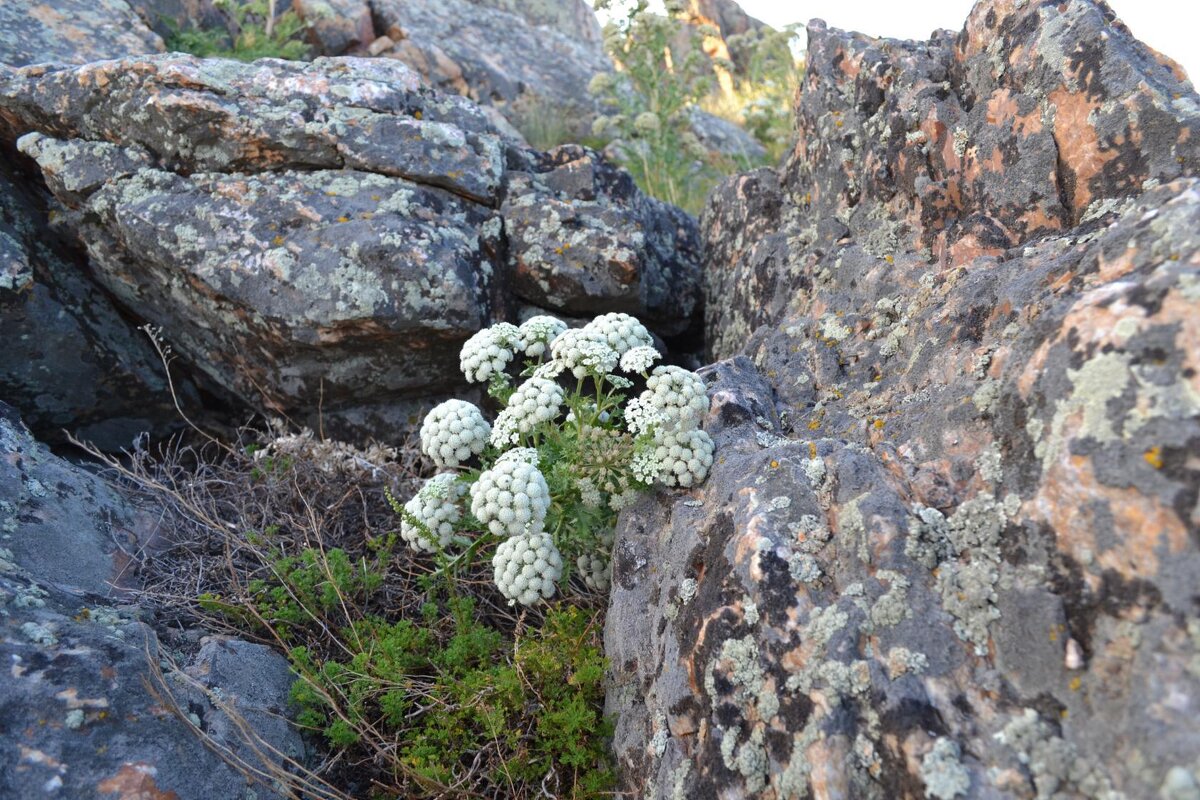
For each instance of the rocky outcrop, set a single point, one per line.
(496, 56)
(325, 236)
(949, 544)
(79, 717)
(71, 32)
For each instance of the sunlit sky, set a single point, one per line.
(1169, 26)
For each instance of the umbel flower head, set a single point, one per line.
(512, 496)
(675, 400)
(621, 332)
(538, 332)
(453, 432)
(536, 401)
(434, 509)
(526, 568)
(584, 352)
(676, 459)
(488, 352)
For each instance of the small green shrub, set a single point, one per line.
(255, 34)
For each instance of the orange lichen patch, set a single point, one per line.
(135, 782)
(1078, 144)
(969, 248)
(1143, 524)
(1036, 219)
(1154, 457)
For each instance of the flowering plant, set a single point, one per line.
(573, 444)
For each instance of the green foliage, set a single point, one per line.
(662, 74)
(255, 35)
(425, 695)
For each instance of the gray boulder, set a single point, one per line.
(949, 545)
(89, 704)
(71, 32)
(320, 239)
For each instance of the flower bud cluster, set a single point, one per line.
(489, 351)
(432, 513)
(526, 568)
(511, 497)
(536, 401)
(538, 332)
(453, 432)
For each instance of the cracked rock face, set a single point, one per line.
(950, 542)
(327, 234)
(78, 719)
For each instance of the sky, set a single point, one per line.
(1169, 26)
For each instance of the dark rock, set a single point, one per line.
(584, 240)
(71, 361)
(71, 32)
(949, 544)
(86, 695)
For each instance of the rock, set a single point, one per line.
(948, 547)
(583, 239)
(71, 32)
(719, 135)
(78, 716)
(336, 26)
(499, 58)
(728, 17)
(319, 239)
(70, 360)
(574, 19)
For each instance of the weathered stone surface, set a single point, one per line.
(336, 26)
(77, 717)
(950, 542)
(71, 32)
(498, 57)
(321, 238)
(70, 360)
(583, 239)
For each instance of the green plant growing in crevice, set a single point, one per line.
(255, 31)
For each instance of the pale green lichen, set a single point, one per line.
(853, 528)
(1054, 764)
(810, 532)
(1179, 784)
(804, 568)
(74, 719)
(986, 396)
(833, 329)
(1102, 378)
(990, 464)
(942, 771)
(891, 607)
(902, 661)
(814, 470)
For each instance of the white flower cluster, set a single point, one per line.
(677, 459)
(511, 495)
(675, 400)
(488, 352)
(639, 359)
(578, 351)
(526, 568)
(435, 509)
(453, 432)
(621, 332)
(538, 332)
(536, 401)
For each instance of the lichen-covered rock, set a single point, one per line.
(78, 716)
(949, 543)
(323, 237)
(71, 32)
(583, 239)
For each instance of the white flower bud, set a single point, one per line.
(489, 351)
(513, 485)
(453, 432)
(437, 509)
(621, 332)
(526, 568)
(582, 352)
(538, 332)
(536, 401)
